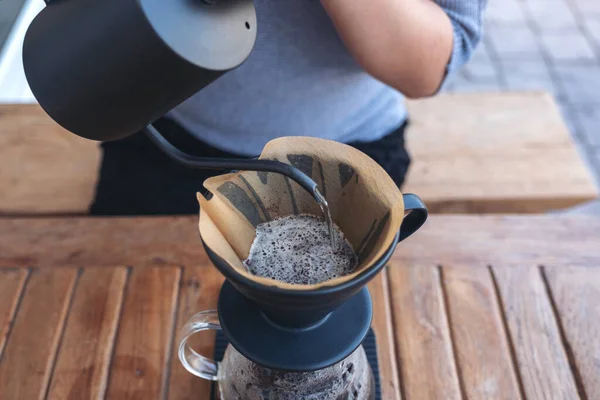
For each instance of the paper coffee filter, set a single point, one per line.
(365, 203)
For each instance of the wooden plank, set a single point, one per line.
(511, 152)
(11, 287)
(82, 363)
(142, 351)
(46, 170)
(26, 365)
(100, 241)
(480, 342)
(487, 240)
(576, 294)
(199, 291)
(444, 239)
(426, 359)
(384, 333)
(540, 355)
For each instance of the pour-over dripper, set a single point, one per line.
(302, 330)
(294, 326)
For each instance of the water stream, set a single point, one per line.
(327, 216)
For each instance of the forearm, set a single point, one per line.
(404, 43)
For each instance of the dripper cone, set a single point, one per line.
(365, 203)
(303, 327)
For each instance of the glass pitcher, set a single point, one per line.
(238, 378)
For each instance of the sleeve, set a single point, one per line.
(467, 23)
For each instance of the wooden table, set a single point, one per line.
(470, 307)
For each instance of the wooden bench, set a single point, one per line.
(495, 153)
(472, 153)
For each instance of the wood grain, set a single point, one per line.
(46, 170)
(384, 334)
(11, 287)
(81, 369)
(100, 241)
(26, 365)
(510, 153)
(426, 359)
(141, 241)
(199, 291)
(576, 293)
(540, 355)
(515, 239)
(142, 352)
(480, 343)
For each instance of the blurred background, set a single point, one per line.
(551, 45)
(529, 45)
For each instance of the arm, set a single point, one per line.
(408, 44)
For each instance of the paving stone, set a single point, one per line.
(568, 47)
(590, 159)
(567, 113)
(504, 13)
(550, 15)
(460, 84)
(514, 42)
(580, 83)
(587, 7)
(592, 26)
(596, 157)
(588, 123)
(476, 71)
(528, 75)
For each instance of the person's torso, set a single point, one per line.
(300, 80)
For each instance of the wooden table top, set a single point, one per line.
(470, 307)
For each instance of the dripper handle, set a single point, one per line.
(195, 363)
(415, 217)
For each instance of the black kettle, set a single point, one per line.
(106, 69)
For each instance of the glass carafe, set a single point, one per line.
(239, 378)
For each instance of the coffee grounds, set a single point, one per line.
(296, 249)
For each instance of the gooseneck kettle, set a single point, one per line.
(105, 70)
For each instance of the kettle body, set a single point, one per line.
(105, 70)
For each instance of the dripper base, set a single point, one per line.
(291, 349)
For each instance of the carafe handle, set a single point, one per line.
(195, 363)
(416, 215)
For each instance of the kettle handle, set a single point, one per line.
(415, 215)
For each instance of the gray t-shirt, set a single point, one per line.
(300, 80)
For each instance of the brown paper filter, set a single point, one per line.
(365, 202)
